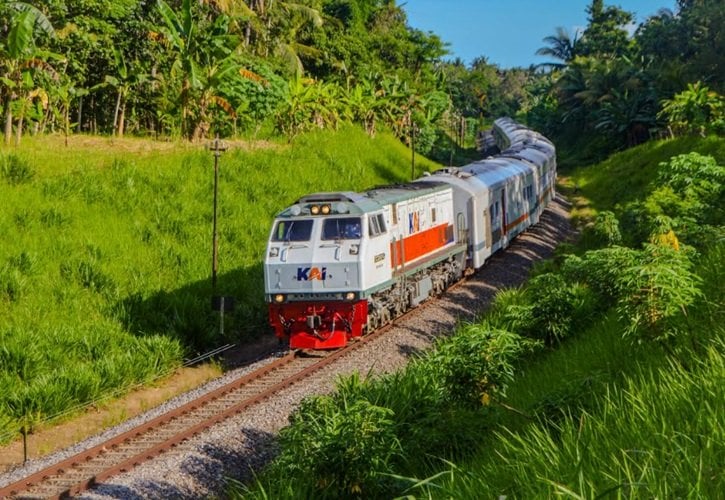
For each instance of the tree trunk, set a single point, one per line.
(80, 113)
(8, 123)
(115, 113)
(66, 127)
(122, 119)
(94, 124)
(19, 130)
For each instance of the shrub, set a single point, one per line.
(343, 441)
(552, 307)
(690, 199)
(606, 229)
(655, 290)
(478, 363)
(601, 271)
(15, 170)
(695, 110)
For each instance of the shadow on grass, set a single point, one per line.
(186, 312)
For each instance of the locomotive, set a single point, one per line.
(341, 264)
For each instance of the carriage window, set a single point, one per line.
(293, 230)
(376, 224)
(348, 228)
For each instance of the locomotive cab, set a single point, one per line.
(312, 272)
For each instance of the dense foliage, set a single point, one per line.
(558, 388)
(195, 69)
(608, 91)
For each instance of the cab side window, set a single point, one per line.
(376, 225)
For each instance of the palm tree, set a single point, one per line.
(277, 27)
(561, 46)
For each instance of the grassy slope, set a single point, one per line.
(612, 418)
(105, 261)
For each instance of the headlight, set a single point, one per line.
(274, 251)
(315, 209)
(325, 209)
(279, 298)
(350, 296)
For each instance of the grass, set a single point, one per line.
(105, 263)
(599, 414)
(603, 417)
(628, 176)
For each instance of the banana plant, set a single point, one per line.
(19, 56)
(124, 81)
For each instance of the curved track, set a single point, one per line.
(125, 451)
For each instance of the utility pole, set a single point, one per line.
(412, 150)
(217, 147)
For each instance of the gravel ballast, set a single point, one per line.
(198, 467)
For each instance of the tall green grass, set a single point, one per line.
(584, 383)
(106, 255)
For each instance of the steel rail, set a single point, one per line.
(74, 464)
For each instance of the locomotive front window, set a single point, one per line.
(293, 230)
(347, 228)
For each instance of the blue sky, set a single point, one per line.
(508, 32)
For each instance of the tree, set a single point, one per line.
(696, 110)
(202, 60)
(19, 55)
(124, 81)
(605, 34)
(561, 46)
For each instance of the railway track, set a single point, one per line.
(82, 471)
(145, 442)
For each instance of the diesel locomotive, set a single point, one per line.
(342, 264)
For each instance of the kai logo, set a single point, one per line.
(413, 222)
(311, 273)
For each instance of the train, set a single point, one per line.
(340, 264)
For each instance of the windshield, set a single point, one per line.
(348, 228)
(293, 230)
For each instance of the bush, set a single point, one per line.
(343, 441)
(689, 199)
(478, 363)
(605, 230)
(553, 306)
(656, 289)
(548, 309)
(601, 271)
(15, 170)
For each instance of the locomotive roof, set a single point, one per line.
(368, 201)
(396, 193)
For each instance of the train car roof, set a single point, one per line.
(493, 172)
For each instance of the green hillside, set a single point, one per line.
(106, 257)
(602, 377)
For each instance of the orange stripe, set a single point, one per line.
(418, 244)
(543, 195)
(516, 222)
